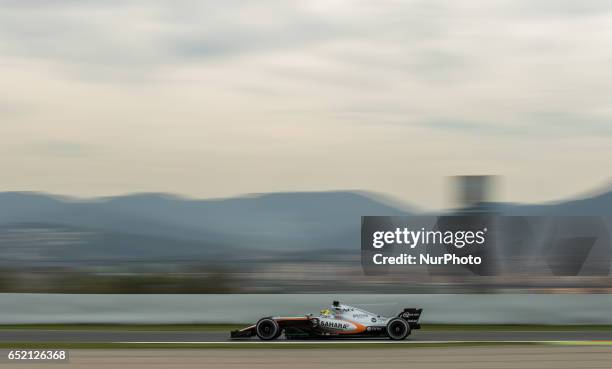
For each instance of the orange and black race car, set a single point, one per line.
(341, 321)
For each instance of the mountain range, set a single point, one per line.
(164, 227)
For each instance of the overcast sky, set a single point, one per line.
(219, 98)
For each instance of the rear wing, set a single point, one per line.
(411, 315)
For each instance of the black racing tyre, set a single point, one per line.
(267, 329)
(398, 329)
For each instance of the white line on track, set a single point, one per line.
(350, 342)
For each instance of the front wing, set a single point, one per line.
(301, 323)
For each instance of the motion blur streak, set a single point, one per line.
(306, 242)
(417, 358)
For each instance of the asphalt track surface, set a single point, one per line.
(499, 357)
(30, 335)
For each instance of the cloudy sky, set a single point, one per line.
(219, 98)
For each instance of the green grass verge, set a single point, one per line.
(515, 327)
(127, 327)
(229, 327)
(242, 346)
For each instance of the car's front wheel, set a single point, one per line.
(398, 329)
(267, 329)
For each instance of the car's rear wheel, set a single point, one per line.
(398, 329)
(267, 329)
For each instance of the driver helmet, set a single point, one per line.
(325, 312)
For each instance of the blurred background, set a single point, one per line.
(306, 242)
(131, 131)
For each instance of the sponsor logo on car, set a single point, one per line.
(335, 325)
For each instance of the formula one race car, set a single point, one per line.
(342, 321)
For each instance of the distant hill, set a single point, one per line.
(163, 227)
(143, 224)
(596, 205)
